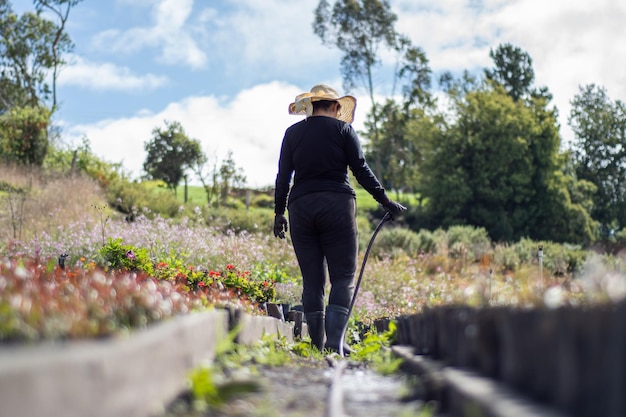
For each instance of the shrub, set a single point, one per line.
(506, 257)
(426, 242)
(468, 241)
(240, 220)
(558, 258)
(395, 241)
(262, 201)
(132, 198)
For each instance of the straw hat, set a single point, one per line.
(302, 104)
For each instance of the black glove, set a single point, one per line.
(393, 208)
(280, 226)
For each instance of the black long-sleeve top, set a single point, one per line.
(319, 150)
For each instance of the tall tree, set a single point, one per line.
(599, 151)
(360, 28)
(61, 42)
(170, 153)
(513, 70)
(31, 52)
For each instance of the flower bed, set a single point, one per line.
(41, 300)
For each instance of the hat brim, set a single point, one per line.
(346, 113)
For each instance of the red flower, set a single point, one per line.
(230, 267)
(201, 284)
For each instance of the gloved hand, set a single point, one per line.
(393, 208)
(280, 226)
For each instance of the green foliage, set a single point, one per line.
(170, 153)
(599, 153)
(210, 384)
(469, 242)
(81, 159)
(272, 273)
(426, 242)
(134, 198)
(241, 220)
(398, 167)
(219, 181)
(127, 257)
(24, 135)
(497, 166)
(513, 70)
(358, 29)
(262, 200)
(374, 349)
(558, 258)
(396, 241)
(32, 50)
(506, 257)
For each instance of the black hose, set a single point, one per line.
(386, 217)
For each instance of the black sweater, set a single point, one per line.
(319, 150)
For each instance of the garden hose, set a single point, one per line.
(386, 217)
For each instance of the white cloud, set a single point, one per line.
(171, 32)
(107, 76)
(252, 125)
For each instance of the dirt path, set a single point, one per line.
(302, 389)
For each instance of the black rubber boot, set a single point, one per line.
(315, 326)
(336, 318)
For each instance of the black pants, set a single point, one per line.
(324, 235)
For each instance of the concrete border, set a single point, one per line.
(133, 376)
(467, 394)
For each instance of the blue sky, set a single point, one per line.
(227, 70)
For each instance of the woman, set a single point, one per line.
(322, 205)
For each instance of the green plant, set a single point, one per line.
(396, 241)
(210, 384)
(243, 283)
(374, 349)
(126, 257)
(254, 220)
(468, 242)
(506, 257)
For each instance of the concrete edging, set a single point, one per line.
(134, 376)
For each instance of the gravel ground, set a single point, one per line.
(301, 389)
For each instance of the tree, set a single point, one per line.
(30, 48)
(400, 143)
(360, 28)
(599, 152)
(170, 153)
(61, 42)
(513, 70)
(497, 165)
(219, 181)
(231, 176)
